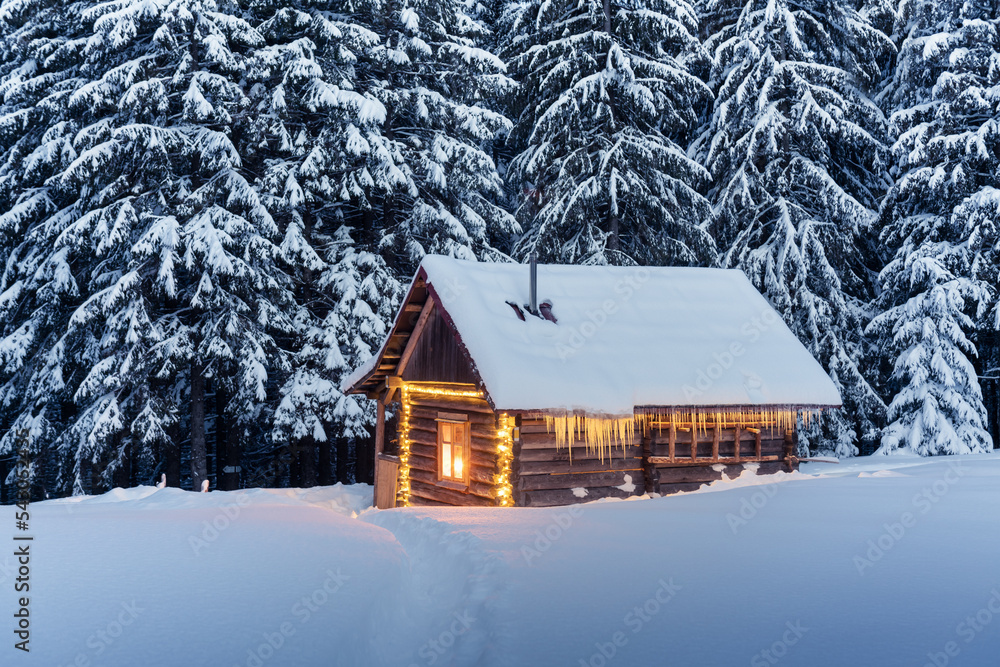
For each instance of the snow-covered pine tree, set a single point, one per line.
(605, 109)
(188, 278)
(796, 151)
(435, 186)
(320, 136)
(40, 54)
(359, 296)
(938, 221)
(981, 214)
(938, 408)
(390, 155)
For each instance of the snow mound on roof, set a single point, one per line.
(625, 337)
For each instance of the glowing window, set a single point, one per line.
(453, 451)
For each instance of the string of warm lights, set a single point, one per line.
(601, 434)
(403, 486)
(437, 391)
(505, 459)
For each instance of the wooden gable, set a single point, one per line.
(437, 355)
(423, 346)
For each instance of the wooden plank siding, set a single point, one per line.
(386, 474)
(425, 487)
(437, 355)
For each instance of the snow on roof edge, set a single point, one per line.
(515, 364)
(492, 282)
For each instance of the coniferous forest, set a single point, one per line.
(209, 209)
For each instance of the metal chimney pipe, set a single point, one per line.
(533, 272)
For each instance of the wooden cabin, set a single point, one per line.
(516, 385)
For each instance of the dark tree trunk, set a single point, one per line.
(199, 465)
(97, 486)
(133, 465)
(171, 452)
(342, 447)
(988, 367)
(307, 458)
(211, 451)
(294, 466)
(325, 452)
(123, 472)
(234, 457)
(40, 480)
(221, 437)
(364, 459)
(614, 241)
(227, 442)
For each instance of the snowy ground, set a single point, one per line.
(873, 562)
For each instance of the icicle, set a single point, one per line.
(606, 436)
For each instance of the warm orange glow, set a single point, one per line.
(603, 434)
(452, 440)
(505, 458)
(446, 457)
(403, 490)
(437, 391)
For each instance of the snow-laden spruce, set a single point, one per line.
(940, 223)
(358, 294)
(40, 57)
(796, 152)
(605, 107)
(435, 187)
(319, 136)
(183, 283)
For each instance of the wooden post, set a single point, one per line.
(694, 440)
(379, 428)
(515, 464)
(715, 442)
(736, 443)
(379, 443)
(647, 466)
(756, 443)
(672, 441)
(790, 458)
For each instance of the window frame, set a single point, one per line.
(466, 445)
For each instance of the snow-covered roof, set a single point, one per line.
(624, 337)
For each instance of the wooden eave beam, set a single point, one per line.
(418, 328)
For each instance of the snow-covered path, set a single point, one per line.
(872, 562)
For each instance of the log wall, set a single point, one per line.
(545, 475)
(425, 488)
(659, 461)
(684, 458)
(656, 462)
